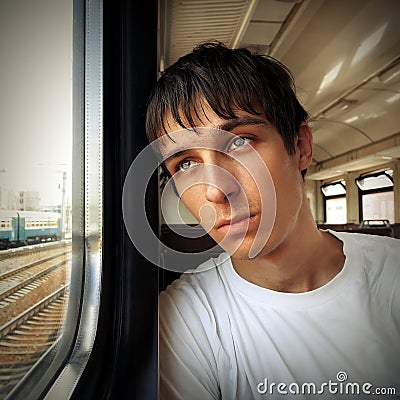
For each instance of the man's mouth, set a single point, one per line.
(237, 225)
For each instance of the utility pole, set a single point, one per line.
(63, 215)
(2, 170)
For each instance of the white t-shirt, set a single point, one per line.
(222, 337)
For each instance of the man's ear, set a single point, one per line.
(304, 146)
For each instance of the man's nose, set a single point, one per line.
(221, 184)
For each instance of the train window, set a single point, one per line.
(50, 193)
(376, 195)
(334, 195)
(41, 242)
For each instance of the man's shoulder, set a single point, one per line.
(379, 255)
(197, 285)
(367, 241)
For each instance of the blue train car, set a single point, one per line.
(19, 228)
(6, 227)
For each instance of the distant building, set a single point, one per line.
(2, 199)
(8, 200)
(28, 201)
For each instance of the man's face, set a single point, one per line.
(237, 179)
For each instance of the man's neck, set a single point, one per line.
(305, 260)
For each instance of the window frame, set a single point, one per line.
(337, 196)
(127, 334)
(59, 370)
(362, 192)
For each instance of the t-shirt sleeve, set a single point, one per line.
(187, 367)
(393, 279)
(383, 255)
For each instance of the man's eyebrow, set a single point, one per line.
(178, 154)
(226, 126)
(233, 123)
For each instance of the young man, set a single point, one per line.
(291, 311)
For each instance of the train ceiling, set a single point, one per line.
(344, 55)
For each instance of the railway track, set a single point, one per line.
(14, 258)
(25, 339)
(33, 295)
(12, 281)
(27, 284)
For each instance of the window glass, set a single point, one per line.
(334, 189)
(35, 182)
(378, 206)
(377, 196)
(336, 212)
(376, 181)
(335, 202)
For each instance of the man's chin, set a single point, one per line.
(246, 249)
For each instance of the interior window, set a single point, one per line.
(335, 202)
(376, 196)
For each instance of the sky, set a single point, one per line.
(36, 96)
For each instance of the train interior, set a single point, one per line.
(91, 291)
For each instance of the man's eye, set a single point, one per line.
(185, 165)
(240, 142)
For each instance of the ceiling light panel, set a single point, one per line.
(266, 22)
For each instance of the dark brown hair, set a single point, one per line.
(227, 79)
